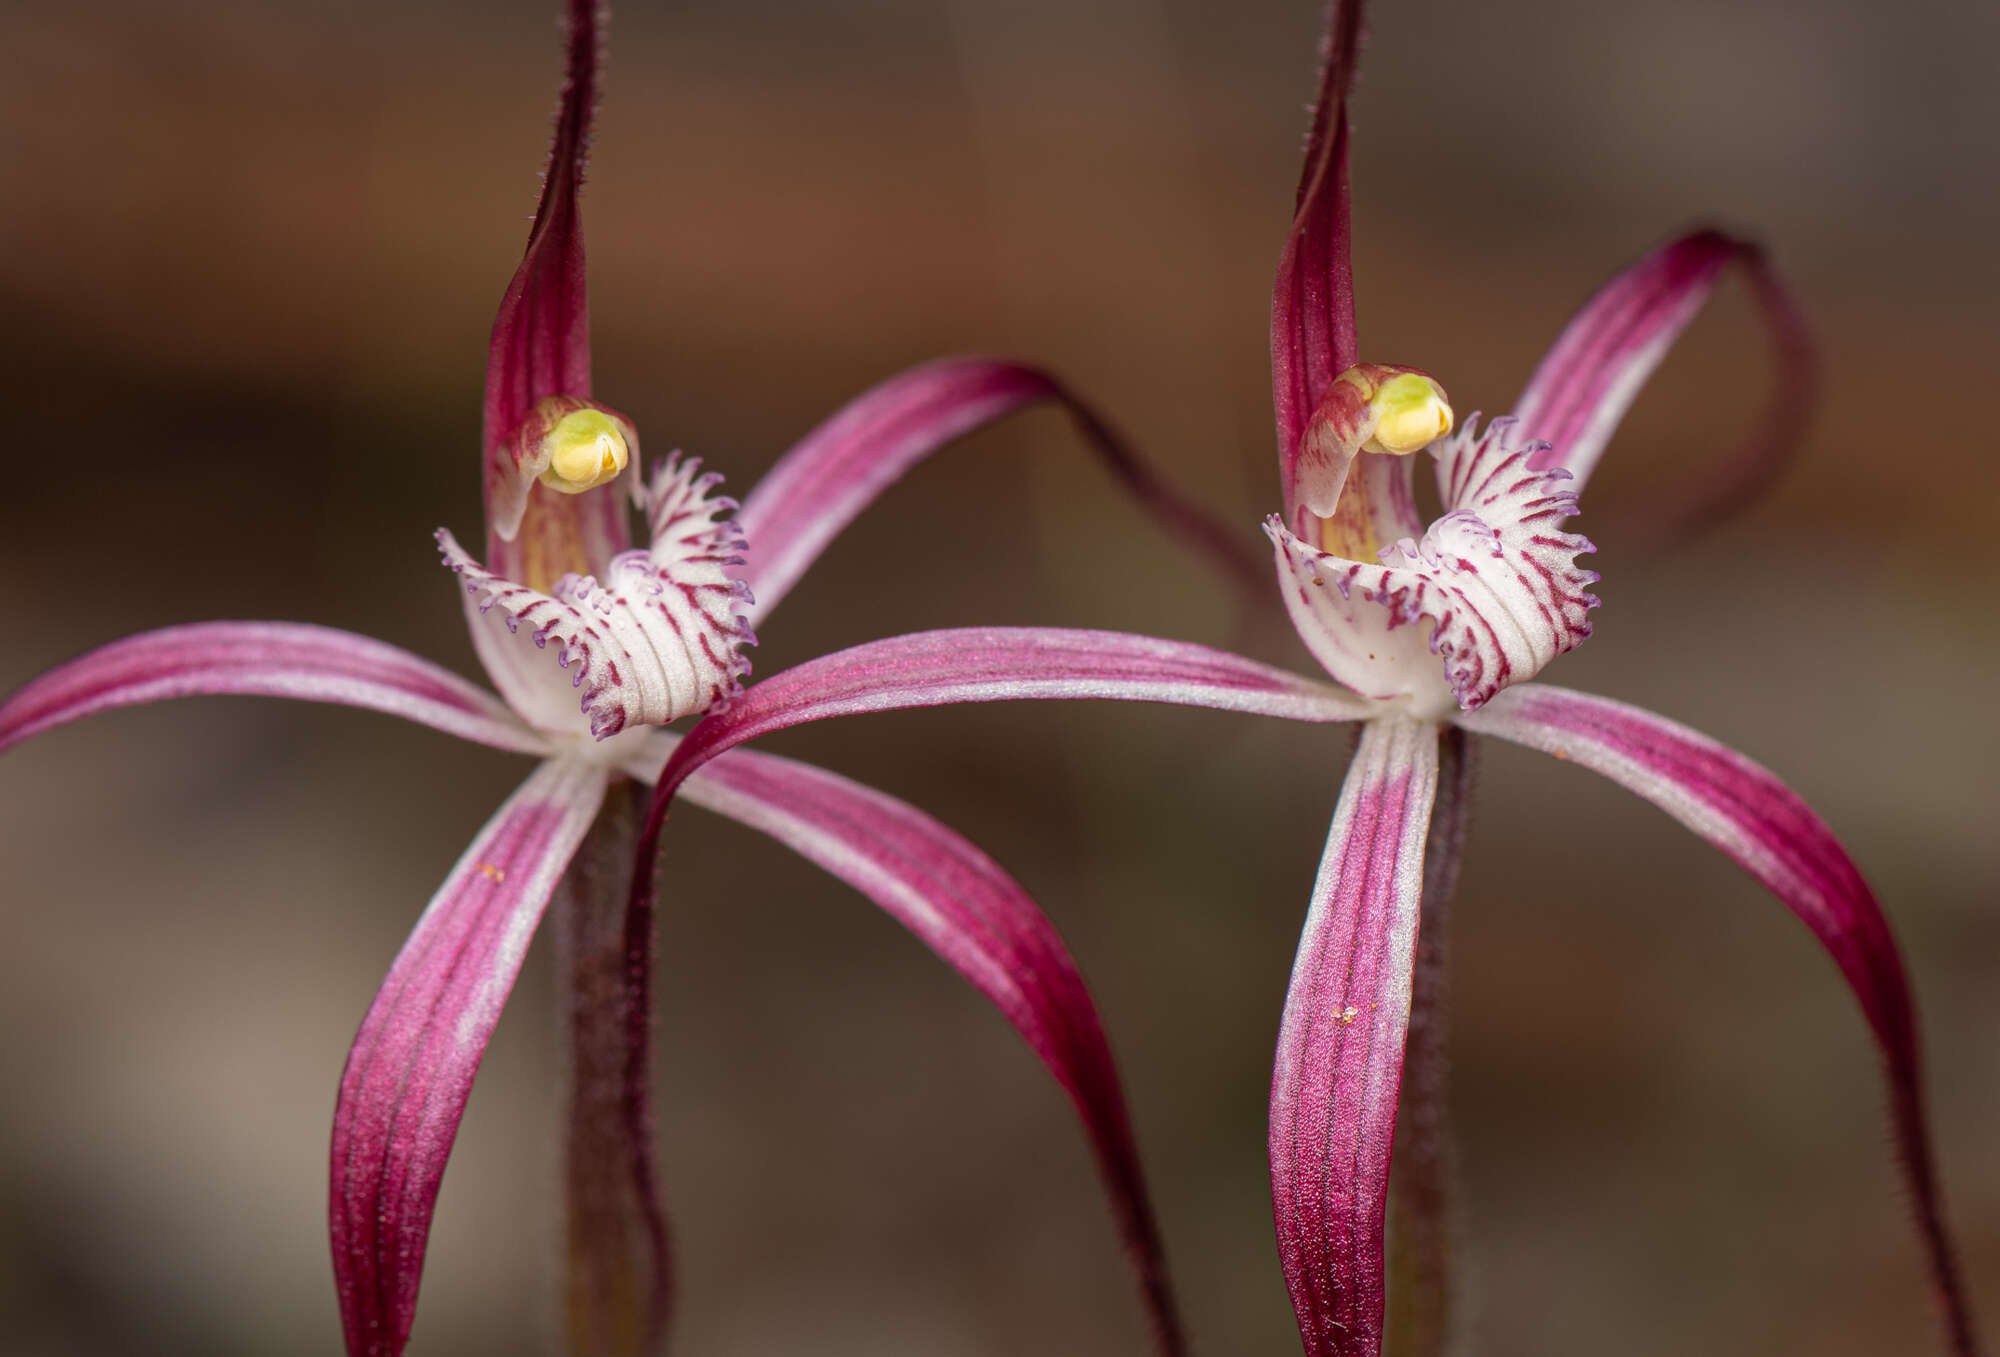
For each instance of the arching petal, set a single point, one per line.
(1004, 664)
(541, 348)
(1312, 303)
(1763, 827)
(979, 921)
(838, 469)
(1340, 1046)
(411, 1068)
(263, 659)
(1603, 357)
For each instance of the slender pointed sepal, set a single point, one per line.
(413, 1061)
(1312, 304)
(1763, 826)
(1599, 363)
(541, 350)
(981, 923)
(833, 473)
(263, 659)
(1340, 1046)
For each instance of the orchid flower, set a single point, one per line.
(1432, 633)
(592, 644)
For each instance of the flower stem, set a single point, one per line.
(618, 1272)
(1421, 1169)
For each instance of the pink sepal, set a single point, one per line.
(837, 470)
(1763, 826)
(1340, 1046)
(1599, 363)
(263, 659)
(541, 336)
(979, 921)
(1005, 664)
(1312, 303)
(411, 1068)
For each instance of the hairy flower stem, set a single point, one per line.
(1420, 1170)
(617, 1271)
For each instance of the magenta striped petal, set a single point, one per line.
(1312, 304)
(411, 1069)
(263, 659)
(1004, 664)
(979, 921)
(838, 469)
(1340, 1045)
(1603, 357)
(1768, 831)
(541, 347)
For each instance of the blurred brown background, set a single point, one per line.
(248, 256)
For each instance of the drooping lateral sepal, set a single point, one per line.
(984, 925)
(1495, 580)
(1340, 1045)
(414, 1058)
(658, 638)
(1763, 826)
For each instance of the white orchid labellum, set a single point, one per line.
(658, 638)
(1490, 592)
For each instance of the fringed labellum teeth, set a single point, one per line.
(660, 637)
(1495, 579)
(1371, 407)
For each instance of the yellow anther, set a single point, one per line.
(585, 449)
(1411, 414)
